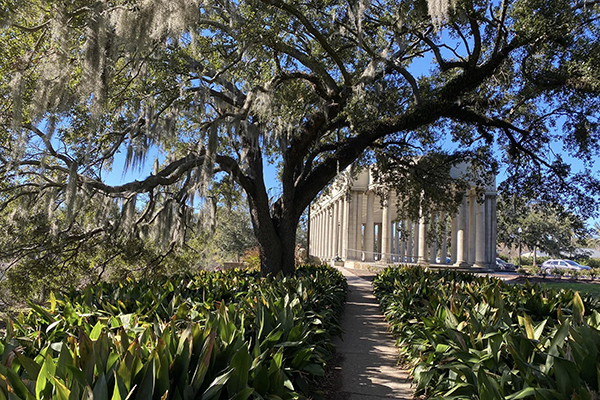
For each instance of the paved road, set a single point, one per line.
(369, 358)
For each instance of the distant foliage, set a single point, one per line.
(590, 262)
(528, 261)
(252, 258)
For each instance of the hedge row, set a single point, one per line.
(468, 337)
(222, 335)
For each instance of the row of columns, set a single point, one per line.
(340, 231)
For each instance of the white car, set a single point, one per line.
(549, 265)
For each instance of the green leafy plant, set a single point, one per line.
(229, 334)
(471, 337)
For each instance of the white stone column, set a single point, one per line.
(480, 235)
(320, 233)
(351, 226)
(415, 237)
(369, 228)
(317, 233)
(311, 229)
(358, 227)
(490, 254)
(324, 218)
(444, 247)
(494, 237)
(490, 228)
(422, 260)
(399, 243)
(336, 229)
(345, 215)
(461, 236)
(327, 215)
(386, 240)
(325, 241)
(331, 242)
(472, 228)
(434, 245)
(403, 238)
(410, 242)
(453, 238)
(324, 230)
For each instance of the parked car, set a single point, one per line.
(549, 265)
(438, 260)
(504, 266)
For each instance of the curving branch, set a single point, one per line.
(167, 176)
(308, 62)
(317, 35)
(444, 65)
(500, 27)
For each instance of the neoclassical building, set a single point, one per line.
(352, 223)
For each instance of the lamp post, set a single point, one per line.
(520, 231)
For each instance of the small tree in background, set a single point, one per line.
(544, 227)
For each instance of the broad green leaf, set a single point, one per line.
(31, 367)
(314, 369)
(100, 391)
(244, 394)
(578, 309)
(47, 371)
(18, 386)
(119, 391)
(239, 376)
(52, 302)
(302, 357)
(146, 387)
(539, 329)
(278, 358)
(528, 324)
(95, 334)
(214, 389)
(62, 392)
(204, 361)
(521, 394)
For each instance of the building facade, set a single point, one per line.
(352, 223)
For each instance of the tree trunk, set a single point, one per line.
(287, 233)
(276, 236)
(535, 256)
(274, 225)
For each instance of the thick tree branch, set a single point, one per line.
(308, 62)
(167, 176)
(317, 35)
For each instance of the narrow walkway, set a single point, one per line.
(369, 358)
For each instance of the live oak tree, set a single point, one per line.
(218, 87)
(544, 226)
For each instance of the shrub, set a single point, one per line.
(528, 261)
(469, 337)
(251, 258)
(229, 334)
(575, 273)
(590, 262)
(558, 272)
(534, 270)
